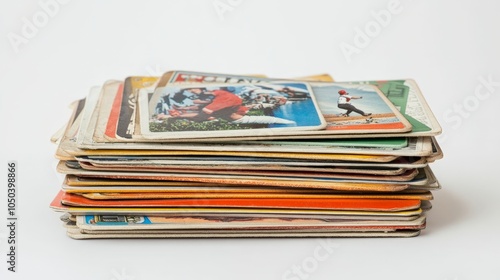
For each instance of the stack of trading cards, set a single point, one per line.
(194, 154)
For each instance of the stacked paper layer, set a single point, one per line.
(195, 154)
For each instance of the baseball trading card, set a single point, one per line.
(126, 121)
(416, 146)
(58, 206)
(107, 109)
(120, 222)
(407, 97)
(404, 177)
(252, 160)
(174, 77)
(90, 114)
(76, 108)
(243, 194)
(358, 108)
(152, 164)
(437, 153)
(70, 131)
(194, 111)
(360, 204)
(315, 78)
(81, 234)
(335, 184)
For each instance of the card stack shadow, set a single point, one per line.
(205, 155)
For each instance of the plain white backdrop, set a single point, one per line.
(51, 53)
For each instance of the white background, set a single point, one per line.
(446, 46)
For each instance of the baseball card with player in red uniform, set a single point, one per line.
(226, 110)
